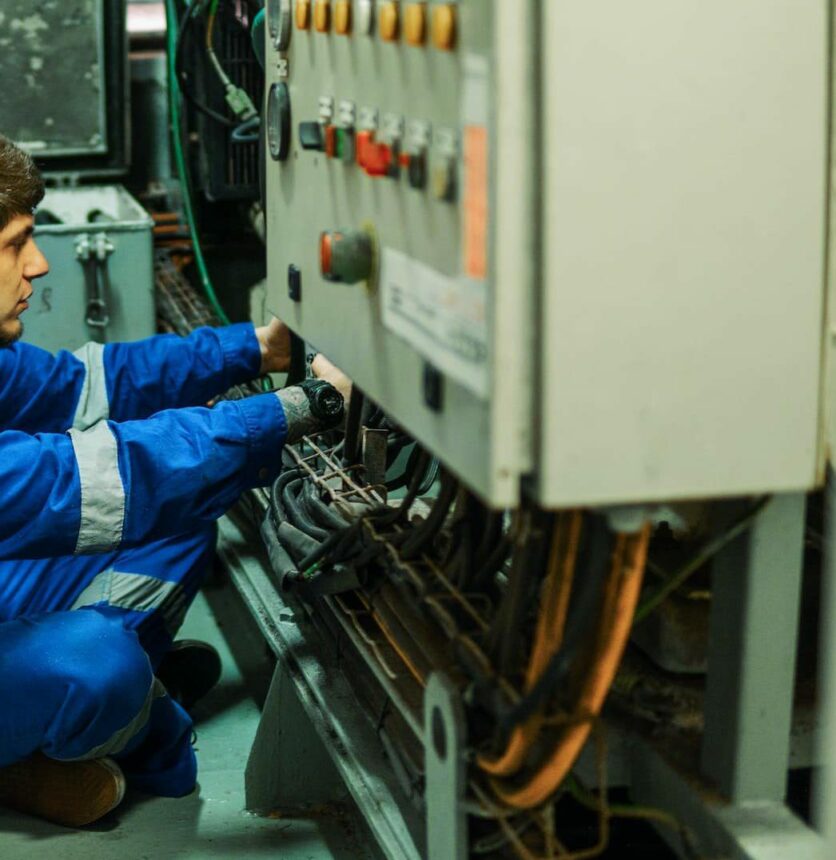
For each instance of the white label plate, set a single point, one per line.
(442, 318)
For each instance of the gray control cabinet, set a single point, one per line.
(100, 286)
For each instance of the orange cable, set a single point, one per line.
(548, 637)
(621, 598)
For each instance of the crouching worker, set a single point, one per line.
(112, 475)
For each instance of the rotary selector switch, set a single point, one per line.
(280, 22)
(278, 122)
(346, 256)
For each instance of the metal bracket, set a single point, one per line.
(444, 740)
(92, 251)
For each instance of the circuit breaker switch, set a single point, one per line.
(444, 26)
(415, 24)
(303, 14)
(345, 145)
(390, 21)
(346, 256)
(342, 17)
(322, 16)
(444, 185)
(331, 141)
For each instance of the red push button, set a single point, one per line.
(326, 250)
(364, 140)
(378, 159)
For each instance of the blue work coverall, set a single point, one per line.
(112, 474)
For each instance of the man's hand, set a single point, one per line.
(323, 369)
(274, 340)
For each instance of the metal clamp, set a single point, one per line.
(92, 251)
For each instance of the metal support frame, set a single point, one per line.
(311, 697)
(444, 740)
(749, 699)
(756, 592)
(289, 767)
(826, 786)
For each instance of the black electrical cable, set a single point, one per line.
(424, 534)
(484, 575)
(185, 23)
(596, 549)
(321, 513)
(430, 477)
(277, 507)
(505, 635)
(295, 513)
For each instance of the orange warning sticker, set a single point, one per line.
(476, 202)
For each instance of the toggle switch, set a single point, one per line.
(389, 22)
(330, 141)
(414, 161)
(415, 24)
(444, 26)
(444, 183)
(303, 14)
(346, 256)
(322, 16)
(416, 171)
(345, 145)
(342, 17)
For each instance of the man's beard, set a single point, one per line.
(9, 339)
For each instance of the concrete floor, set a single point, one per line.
(210, 823)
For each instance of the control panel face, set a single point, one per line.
(384, 164)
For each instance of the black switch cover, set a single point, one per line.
(418, 171)
(311, 137)
(433, 388)
(294, 283)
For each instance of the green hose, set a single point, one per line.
(180, 160)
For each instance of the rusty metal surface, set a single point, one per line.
(52, 67)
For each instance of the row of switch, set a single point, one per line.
(386, 158)
(322, 16)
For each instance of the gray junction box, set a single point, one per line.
(100, 286)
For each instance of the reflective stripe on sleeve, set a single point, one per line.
(93, 405)
(137, 592)
(102, 491)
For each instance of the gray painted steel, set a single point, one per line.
(57, 317)
(756, 588)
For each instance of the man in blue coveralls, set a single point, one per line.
(112, 474)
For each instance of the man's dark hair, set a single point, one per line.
(21, 183)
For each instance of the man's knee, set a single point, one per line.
(101, 666)
(103, 658)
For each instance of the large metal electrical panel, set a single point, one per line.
(684, 205)
(400, 212)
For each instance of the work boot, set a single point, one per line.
(72, 793)
(189, 671)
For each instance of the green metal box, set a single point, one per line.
(98, 241)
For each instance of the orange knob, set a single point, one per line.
(444, 26)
